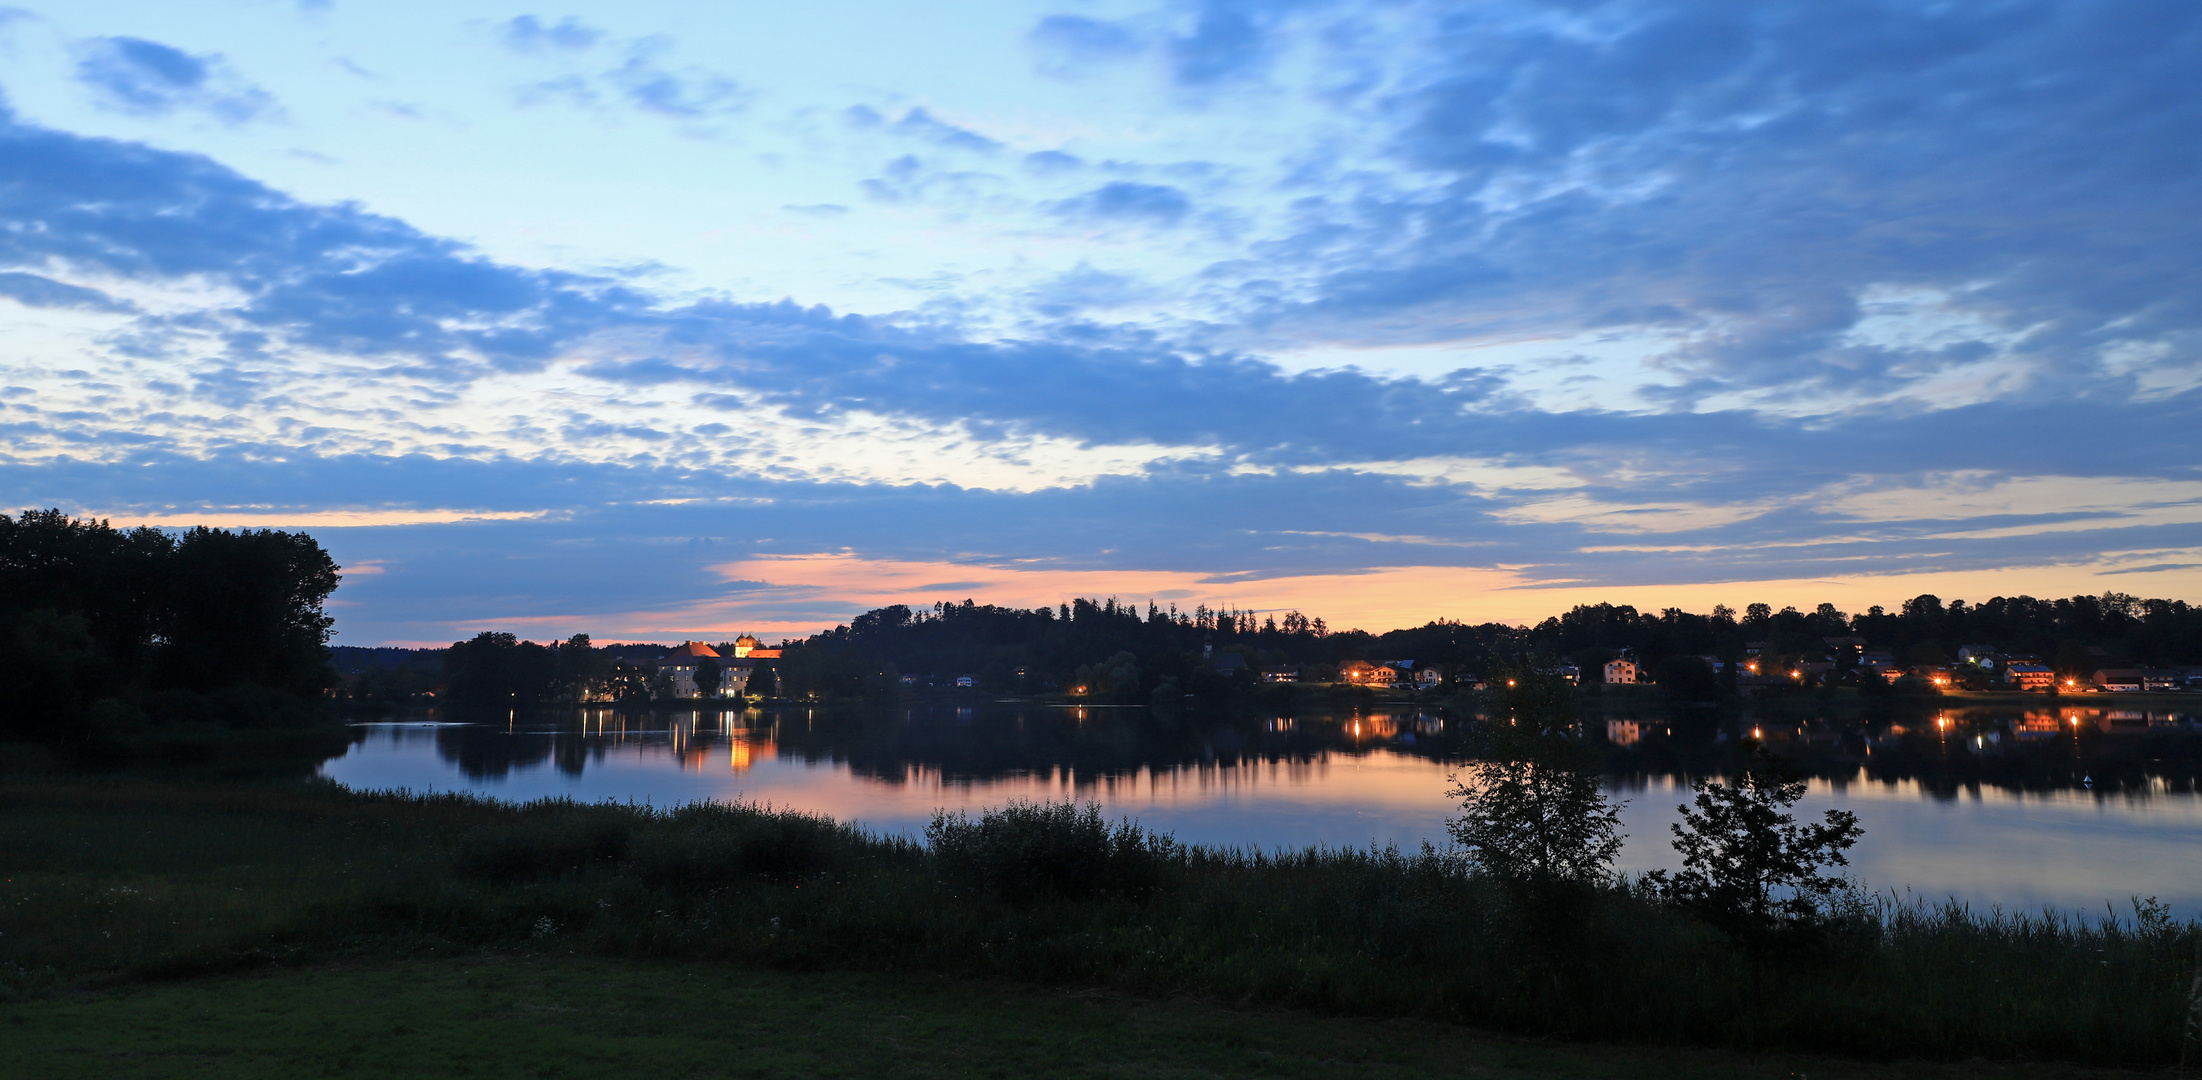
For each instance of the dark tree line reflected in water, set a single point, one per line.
(2128, 753)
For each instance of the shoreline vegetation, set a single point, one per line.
(119, 881)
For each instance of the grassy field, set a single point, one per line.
(119, 888)
(567, 1016)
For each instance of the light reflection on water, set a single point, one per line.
(1981, 823)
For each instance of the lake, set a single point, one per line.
(2067, 806)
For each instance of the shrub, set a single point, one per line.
(547, 840)
(712, 845)
(1025, 850)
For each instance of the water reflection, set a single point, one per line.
(2069, 805)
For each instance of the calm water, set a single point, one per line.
(2069, 807)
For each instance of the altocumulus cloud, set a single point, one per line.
(1893, 259)
(1764, 187)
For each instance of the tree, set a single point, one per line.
(762, 683)
(1748, 866)
(1533, 813)
(708, 676)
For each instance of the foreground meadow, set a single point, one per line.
(143, 898)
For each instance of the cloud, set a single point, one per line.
(1066, 44)
(1640, 176)
(528, 34)
(151, 79)
(1227, 42)
(687, 94)
(31, 290)
(1755, 183)
(1052, 162)
(1123, 201)
(642, 80)
(918, 123)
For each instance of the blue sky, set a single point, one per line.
(659, 320)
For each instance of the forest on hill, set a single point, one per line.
(1130, 652)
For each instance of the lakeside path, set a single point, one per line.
(565, 1016)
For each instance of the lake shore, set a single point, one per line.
(121, 882)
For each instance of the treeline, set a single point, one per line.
(2076, 635)
(1126, 651)
(498, 670)
(104, 630)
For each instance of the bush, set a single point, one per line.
(548, 840)
(712, 845)
(1025, 850)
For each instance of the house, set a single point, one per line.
(1281, 674)
(2119, 680)
(1977, 655)
(1429, 677)
(2029, 676)
(748, 648)
(2163, 679)
(680, 666)
(1230, 665)
(1363, 673)
(1573, 674)
(967, 680)
(1621, 672)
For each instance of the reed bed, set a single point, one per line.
(128, 880)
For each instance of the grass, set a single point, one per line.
(570, 1016)
(114, 884)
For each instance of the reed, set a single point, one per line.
(125, 880)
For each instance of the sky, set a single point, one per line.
(668, 320)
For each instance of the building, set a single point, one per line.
(967, 680)
(1230, 665)
(1977, 655)
(1281, 674)
(2120, 680)
(2164, 679)
(2029, 676)
(1621, 672)
(1429, 677)
(681, 664)
(1573, 674)
(1363, 673)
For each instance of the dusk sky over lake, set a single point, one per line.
(657, 321)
